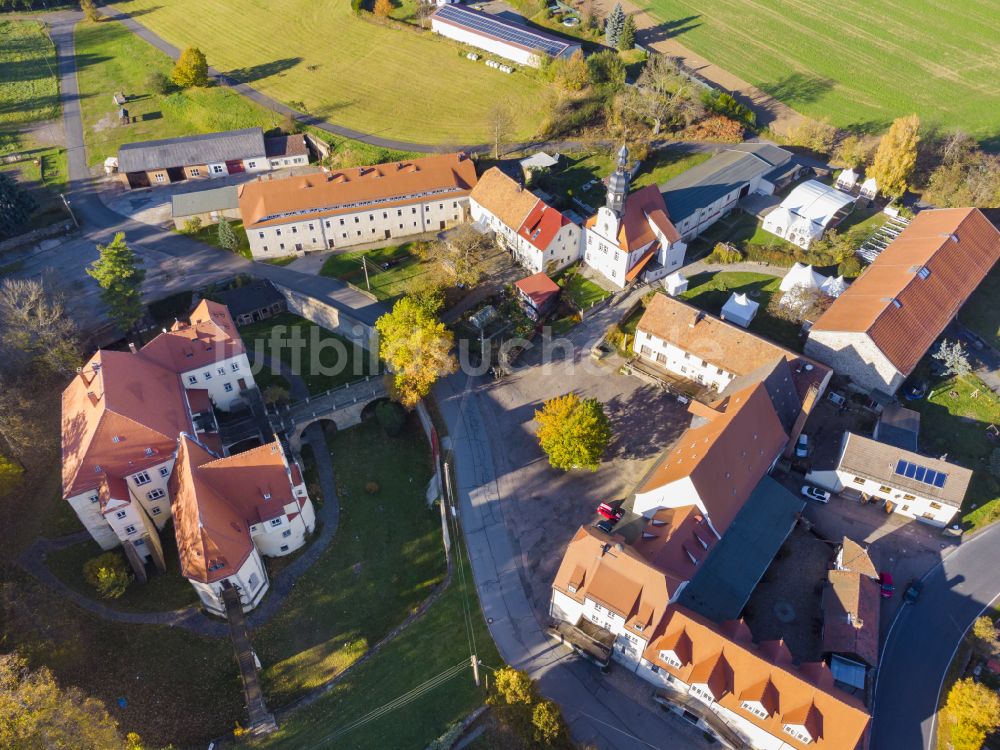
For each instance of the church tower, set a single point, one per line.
(618, 184)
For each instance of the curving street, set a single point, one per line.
(923, 639)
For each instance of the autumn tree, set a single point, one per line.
(896, 156)
(120, 273)
(500, 125)
(108, 574)
(572, 74)
(662, 96)
(464, 252)
(973, 710)
(513, 686)
(227, 237)
(35, 327)
(626, 40)
(985, 634)
(815, 135)
(35, 712)
(573, 432)
(191, 69)
(852, 152)
(546, 719)
(965, 175)
(89, 8)
(416, 345)
(383, 8)
(16, 206)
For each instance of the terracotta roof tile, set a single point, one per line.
(539, 287)
(904, 309)
(504, 198)
(269, 202)
(209, 337)
(851, 615)
(541, 225)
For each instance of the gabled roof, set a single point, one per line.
(502, 30)
(203, 201)
(851, 615)
(852, 556)
(725, 457)
(276, 146)
(216, 500)
(266, 202)
(250, 297)
(644, 209)
(881, 462)
(539, 288)
(907, 297)
(206, 148)
(816, 202)
(803, 695)
(210, 337)
(542, 224)
(108, 425)
(504, 197)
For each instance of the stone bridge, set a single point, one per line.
(342, 406)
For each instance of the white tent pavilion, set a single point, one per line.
(802, 275)
(808, 211)
(739, 309)
(834, 286)
(675, 284)
(869, 189)
(847, 180)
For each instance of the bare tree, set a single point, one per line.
(465, 252)
(34, 326)
(662, 94)
(500, 122)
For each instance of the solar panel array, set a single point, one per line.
(921, 473)
(499, 29)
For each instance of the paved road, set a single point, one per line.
(922, 640)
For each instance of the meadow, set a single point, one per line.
(318, 56)
(29, 91)
(860, 63)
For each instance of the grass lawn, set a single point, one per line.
(581, 291)
(386, 559)
(29, 89)
(308, 349)
(425, 649)
(956, 425)
(284, 260)
(860, 63)
(209, 234)
(407, 273)
(405, 84)
(162, 592)
(709, 291)
(981, 312)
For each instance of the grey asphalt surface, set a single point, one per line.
(922, 641)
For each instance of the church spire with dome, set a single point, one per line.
(618, 184)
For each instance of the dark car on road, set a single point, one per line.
(913, 591)
(605, 525)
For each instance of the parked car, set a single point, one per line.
(802, 446)
(915, 391)
(885, 580)
(836, 398)
(610, 512)
(913, 591)
(815, 493)
(605, 525)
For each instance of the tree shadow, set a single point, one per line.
(124, 14)
(668, 30)
(798, 88)
(264, 70)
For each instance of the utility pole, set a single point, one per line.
(364, 264)
(71, 214)
(475, 669)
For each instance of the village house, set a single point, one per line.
(252, 302)
(537, 294)
(492, 33)
(632, 234)
(205, 206)
(192, 157)
(123, 416)
(287, 151)
(741, 692)
(538, 237)
(356, 206)
(902, 481)
(851, 604)
(882, 325)
(703, 194)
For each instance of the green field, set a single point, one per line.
(861, 63)
(29, 91)
(388, 82)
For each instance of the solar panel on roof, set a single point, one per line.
(939, 479)
(921, 473)
(496, 28)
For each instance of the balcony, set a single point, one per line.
(590, 640)
(696, 711)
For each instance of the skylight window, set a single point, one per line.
(924, 272)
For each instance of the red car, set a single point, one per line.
(885, 579)
(609, 512)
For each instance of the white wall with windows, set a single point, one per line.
(905, 501)
(251, 580)
(680, 362)
(222, 380)
(376, 224)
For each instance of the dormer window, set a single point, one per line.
(670, 657)
(267, 495)
(571, 589)
(798, 732)
(755, 708)
(116, 439)
(149, 451)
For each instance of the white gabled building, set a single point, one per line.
(122, 417)
(362, 205)
(632, 234)
(538, 237)
(808, 211)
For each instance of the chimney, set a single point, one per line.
(697, 317)
(93, 398)
(131, 348)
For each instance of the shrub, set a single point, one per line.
(723, 253)
(391, 416)
(275, 394)
(716, 128)
(722, 103)
(89, 9)
(159, 82)
(849, 268)
(108, 574)
(192, 225)
(372, 488)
